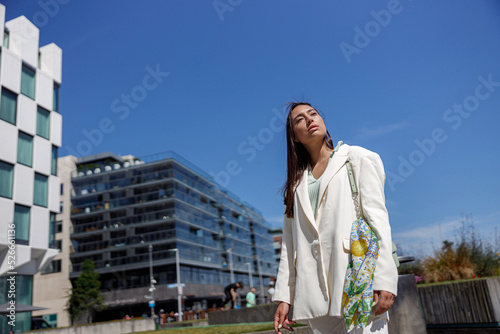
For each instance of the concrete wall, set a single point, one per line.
(122, 327)
(406, 314)
(260, 313)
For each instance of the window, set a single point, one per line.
(6, 179)
(28, 82)
(59, 245)
(53, 167)
(61, 206)
(52, 230)
(53, 267)
(43, 123)
(6, 39)
(41, 190)
(22, 224)
(8, 106)
(59, 226)
(25, 149)
(55, 98)
(62, 189)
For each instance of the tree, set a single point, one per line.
(85, 297)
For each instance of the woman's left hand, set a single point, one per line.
(384, 300)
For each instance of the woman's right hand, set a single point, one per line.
(281, 318)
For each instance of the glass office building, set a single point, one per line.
(122, 205)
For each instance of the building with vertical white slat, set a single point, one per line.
(30, 135)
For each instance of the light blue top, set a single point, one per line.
(313, 184)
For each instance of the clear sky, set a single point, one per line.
(416, 81)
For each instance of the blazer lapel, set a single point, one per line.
(305, 202)
(338, 160)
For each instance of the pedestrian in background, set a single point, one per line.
(251, 298)
(231, 294)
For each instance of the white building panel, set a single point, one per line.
(39, 227)
(42, 154)
(23, 260)
(44, 90)
(23, 41)
(8, 142)
(26, 114)
(24, 179)
(23, 257)
(54, 190)
(7, 210)
(51, 61)
(10, 71)
(56, 128)
(2, 20)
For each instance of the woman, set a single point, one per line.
(319, 212)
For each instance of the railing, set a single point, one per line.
(144, 258)
(179, 214)
(138, 199)
(242, 223)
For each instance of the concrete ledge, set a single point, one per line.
(260, 313)
(123, 326)
(177, 324)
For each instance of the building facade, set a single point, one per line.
(122, 205)
(52, 285)
(30, 135)
(277, 234)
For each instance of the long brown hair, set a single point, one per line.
(297, 159)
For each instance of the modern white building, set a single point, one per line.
(30, 135)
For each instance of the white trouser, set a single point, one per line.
(336, 325)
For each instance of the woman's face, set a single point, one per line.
(307, 124)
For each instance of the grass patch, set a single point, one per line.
(220, 329)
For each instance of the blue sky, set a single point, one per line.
(416, 81)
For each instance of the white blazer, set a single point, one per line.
(314, 253)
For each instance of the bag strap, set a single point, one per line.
(354, 189)
(355, 198)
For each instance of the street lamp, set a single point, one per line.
(250, 273)
(230, 251)
(179, 288)
(260, 277)
(152, 281)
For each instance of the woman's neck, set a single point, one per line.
(318, 153)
